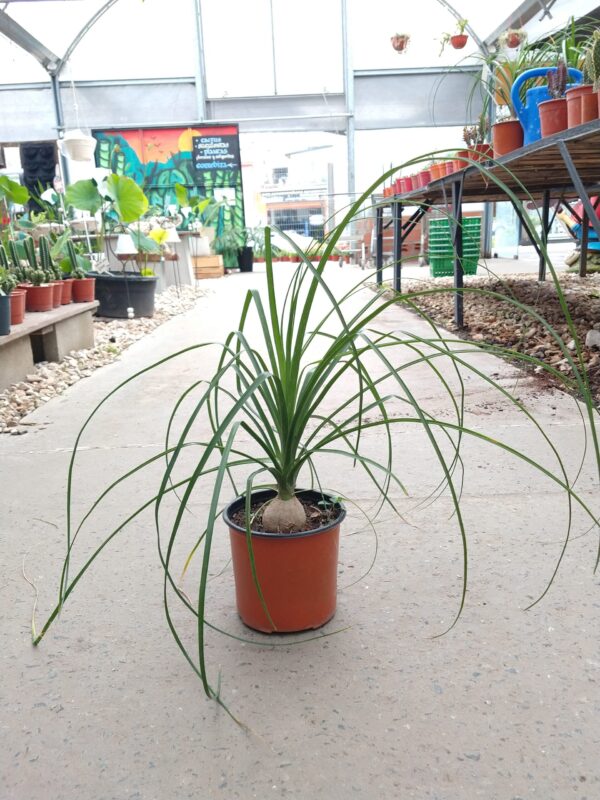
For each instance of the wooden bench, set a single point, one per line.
(45, 336)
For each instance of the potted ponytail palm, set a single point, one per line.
(303, 376)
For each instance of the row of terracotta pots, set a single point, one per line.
(27, 297)
(480, 152)
(580, 105)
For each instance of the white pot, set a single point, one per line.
(201, 246)
(77, 146)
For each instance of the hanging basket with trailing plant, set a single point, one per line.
(400, 42)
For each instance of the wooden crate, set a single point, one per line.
(208, 267)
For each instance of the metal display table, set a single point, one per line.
(559, 168)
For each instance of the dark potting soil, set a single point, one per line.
(317, 516)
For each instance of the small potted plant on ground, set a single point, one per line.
(553, 113)
(400, 42)
(458, 39)
(246, 251)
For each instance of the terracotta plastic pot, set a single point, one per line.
(83, 290)
(40, 298)
(409, 183)
(297, 573)
(424, 177)
(589, 107)
(506, 137)
(56, 293)
(573, 97)
(399, 42)
(484, 151)
(513, 40)
(449, 167)
(437, 171)
(459, 41)
(17, 306)
(67, 291)
(553, 116)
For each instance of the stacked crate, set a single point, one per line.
(441, 251)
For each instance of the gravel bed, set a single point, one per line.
(497, 322)
(112, 336)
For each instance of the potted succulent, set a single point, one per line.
(585, 108)
(474, 137)
(553, 113)
(458, 39)
(310, 379)
(17, 295)
(7, 284)
(400, 42)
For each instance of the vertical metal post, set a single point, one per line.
(200, 72)
(545, 226)
(60, 122)
(585, 233)
(397, 217)
(349, 93)
(458, 250)
(273, 47)
(379, 243)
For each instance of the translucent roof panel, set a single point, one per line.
(133, 39)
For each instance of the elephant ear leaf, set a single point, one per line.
(182, 195)
(13, 191)
(129, 201)
(84, 196)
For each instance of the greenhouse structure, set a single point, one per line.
(299, 334)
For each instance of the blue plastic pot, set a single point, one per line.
(528, 112)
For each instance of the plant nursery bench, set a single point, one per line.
(45, 336)
(557, 168)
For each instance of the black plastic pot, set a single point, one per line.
(118, 291)
(4, 315)
(245, 259)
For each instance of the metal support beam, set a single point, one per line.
(200, 75)
(379, 243)
(545, 229)
(398, 239)
(579, 187)
(457, 192)
(17, 34)
(349, 95)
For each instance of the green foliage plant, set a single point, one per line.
(312, 378)
(8, 280)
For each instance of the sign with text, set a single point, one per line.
(216, 148)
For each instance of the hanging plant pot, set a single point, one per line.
(77, 145)
(297, 572)
(553, 116)
(17, 306)
(506, 137)
(459, 41)
(400, 42)
(513, 39)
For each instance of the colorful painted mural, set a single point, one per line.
(206, 158)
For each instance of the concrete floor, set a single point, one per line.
(506, 705)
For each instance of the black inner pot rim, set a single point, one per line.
(268, 493)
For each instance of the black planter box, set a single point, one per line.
(245, 259)
(118, 291)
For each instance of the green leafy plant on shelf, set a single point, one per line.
(307, 375)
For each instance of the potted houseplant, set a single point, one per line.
(458, 39)
(228, 244)
(303, 383)
(121, 293)
(17, 296)
(400, 41)
(7, 284)
(586, 108)
(553, 113)
(474, 137)
(246, 251)
(507, 132)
